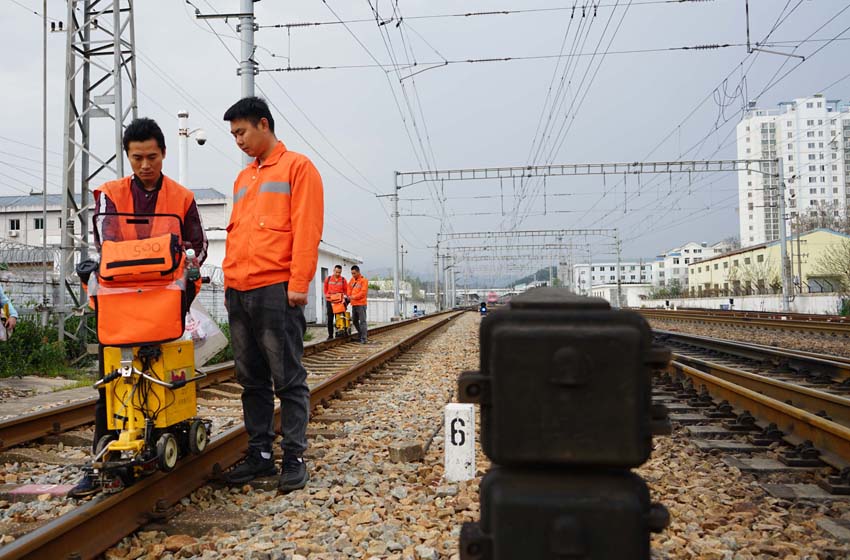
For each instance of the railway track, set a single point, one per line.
(829, 326)
(794, 396)
(92, 527)
(32, 427)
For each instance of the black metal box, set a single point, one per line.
(565, 380)
(558, 514)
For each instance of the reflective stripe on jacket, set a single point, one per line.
(358, 290)
(333, 286)
(276, 224)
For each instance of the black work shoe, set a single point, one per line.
(87, 486)
(294, 474)
(251, 467)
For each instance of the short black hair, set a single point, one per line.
(337, 266)
(355, 267)
(143, 129)
(252, 109)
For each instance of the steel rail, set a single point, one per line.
(823, 327)
(36, 425)
(828, 437)
(836, 407)
(93, 527)
(800, 361)
(777, 315)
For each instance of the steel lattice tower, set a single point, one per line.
(100, 99)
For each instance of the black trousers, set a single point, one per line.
(268, 341)
(329, 313)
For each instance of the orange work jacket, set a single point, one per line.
(333, 286)
(358, 290)
(173, 198)
(276, 224)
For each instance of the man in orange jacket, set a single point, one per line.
(270, 258)
(334, 284)
(146, 191)
(358, 290)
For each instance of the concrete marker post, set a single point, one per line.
(459, 442)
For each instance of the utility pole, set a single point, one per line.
(395, 245)
(247, 66)
(44, 167)
(783, 241)
(402, 253)
(182, 146)
(437, 276)
(619, 255)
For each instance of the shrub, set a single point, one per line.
(32, 349)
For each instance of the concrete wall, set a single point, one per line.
(827, 304)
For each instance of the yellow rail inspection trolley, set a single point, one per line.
(139, 293)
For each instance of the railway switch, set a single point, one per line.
(566, 410)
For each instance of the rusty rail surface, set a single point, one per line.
(797, 425)
(790, 323)
(811, 364)
(96, 525)
(55, 420)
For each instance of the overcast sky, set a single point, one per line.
(360, 125)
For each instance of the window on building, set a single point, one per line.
(716, 266)
(687, 261)
(812, 157)
(791, 168)
(60, 222)
(725, 264)
(38, 223)
(746, 260)
(810, 134)
(790, 135)
(760, 258)
(811, 145)
(14, 224)
(675, 261)
(611, 268)
(790, 157)
(789, 123)
(810, 122)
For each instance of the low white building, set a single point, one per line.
(632, 295)
(671, 267)
(588, 276)
(386, 285)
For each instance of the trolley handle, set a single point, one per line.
(172, 385)
(108, 378)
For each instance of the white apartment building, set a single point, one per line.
(588, 276)
(811, 136)
(672, 267)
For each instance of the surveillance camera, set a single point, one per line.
(201, 137)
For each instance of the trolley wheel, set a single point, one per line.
(167, 452)
(198, 437)
(102, 443)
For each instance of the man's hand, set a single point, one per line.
(297, 298)
(10, 324)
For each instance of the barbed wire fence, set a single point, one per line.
(22, 277)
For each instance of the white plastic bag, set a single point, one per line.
(204, 333)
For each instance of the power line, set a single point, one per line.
(474, 14)
(434, 64)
